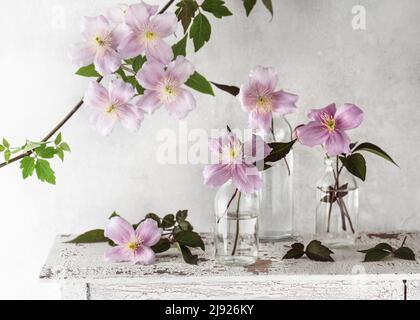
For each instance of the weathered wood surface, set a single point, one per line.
(85, 275)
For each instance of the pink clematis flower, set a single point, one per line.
(147, 33)
(118, 13)
(112, 106)
(328, 127)
(164, 87)
(236, 161)
(99, 47)
(132, 245)
(259, 98)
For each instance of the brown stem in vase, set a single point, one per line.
(346, 213)
(228, 205)
(343, 217)
(237, 225)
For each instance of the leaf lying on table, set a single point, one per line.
(383, 250)
(314, 251)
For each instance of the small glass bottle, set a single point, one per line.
(236, 232)
(337, 206)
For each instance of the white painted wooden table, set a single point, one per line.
(84, 275)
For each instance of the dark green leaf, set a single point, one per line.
(58, 139)
(27, 165)
(185, 225)
(356, 165)
(269, 5)
(333, 195)
(188, 256)
(200, 31)
(44, 171)
(60, 153)
(199, 83)
(2, 148)
(65, 147)
(370, 147)
(6, 143)
(154, 217)
(185, 12)
(180, 48)
(134, 83)
(181, 215)
(280, 150)
(88, 71)
(163, 245)
(189, 239)
(296, 252)
(234, 91)
(316, 251)
(376, 255)
(93, 236)
(168, 221)
(249, 5)
(113, 215)
(216, 7)
(405, 253)
(45, 152)
(381, 246)
(7, 155)
(137, 62)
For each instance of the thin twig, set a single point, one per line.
(237, 225)
(228, 205)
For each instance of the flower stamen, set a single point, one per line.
(328, 121)
(263, 104)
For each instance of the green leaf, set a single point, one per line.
(186, 12)
(189, 239)
(45, 152)
(44, 171)
(356, 165)
(216, 7)
(200, 31)
(122, 74)
(134, 83)
(180, 48)
(381, 246)
(113, 215)
(317, 252)
(376, 255)
(280, 150)
(199, 83)
(2, 148)
(269, 5)
(188, 256)
(405, 253)
(27, 165)
(88, 71)
(163, 245)
(60, 153)
(6, 143)
(154, 217)
(137, 62)
(168, 221)
(65, 147)
(7, 155)
(296, 252)
(234, 91)
(370, 147)
(58, 139)
(181, 215)
(185, 225)
(249, 5)
(93, 236)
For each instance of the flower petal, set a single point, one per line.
(137, 16)
(150, 75)
(312, 134)
(149, 232)
(255, 149)
(246, 178)
(316, 114)
(165, 24)
(260, 120)
(284, 102)
(82, 54)
(216, 175)
(120, 92)
(348, 117)
(95, 26)
(160, 51)
(107, 61)
(248, 95)
(119, 230)
(180, 70)
(103, 122)
(182, 105)
(130, 117)
(337, 143)
(119, 254)
(144, 255)
(96, 96)
(149, 101)
(264, 78)
(131, 46)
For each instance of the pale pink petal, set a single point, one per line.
(82, 54)
(95, 26)
(150, 75)
(246, 178)
(215, 145)
(119, 254)
(120, 92)
(152, 9)
(248, 97)
(337, 143)
(260, 120)
(165, 24)
(119, 34)
(317, 114)
(180, 70)
(149, 102)
(160, 51)
(264, 78)
(119, 230)
(216, 175)
(107, 61)
(117, 14)
(148, 232)
(103, 122)
(130, 117)
(96, 96)
(284, 102)
(255, 149)
(137, 16)
(348, 117)
(312, 134)
(144, 255)
(131, 46)
(184, 103)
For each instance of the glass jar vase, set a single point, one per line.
(236, 232)
(337, 206)
(276, 220)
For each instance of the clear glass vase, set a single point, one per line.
(236, 232)
(338, 206)
(276, 220)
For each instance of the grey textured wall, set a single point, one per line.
(317, 54)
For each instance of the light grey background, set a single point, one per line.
(317, 54)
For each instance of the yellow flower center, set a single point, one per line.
(329, 122)
(231, 153)
(99, 41)
(132, 245)
(264, 104)
(149, 35)
(110, 109)
(169, 90)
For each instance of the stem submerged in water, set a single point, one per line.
(237, 225)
